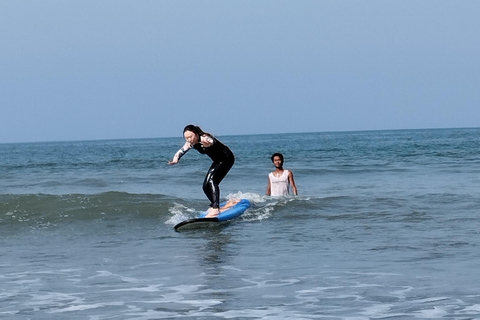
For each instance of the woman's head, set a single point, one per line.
(192, 133)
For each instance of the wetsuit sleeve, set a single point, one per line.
(187, 146)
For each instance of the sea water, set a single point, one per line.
(386, 226)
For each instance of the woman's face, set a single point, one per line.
(191, 137)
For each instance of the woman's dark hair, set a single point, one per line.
(276, 154)
(195, 129)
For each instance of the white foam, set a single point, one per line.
(83, 307)
(231, 268)
(475, 307)
(432, 299)
(401, 293)
(150, 288)
(179, 213)
(377, 310)
(251, 196)
(53, 300)
(434, 313)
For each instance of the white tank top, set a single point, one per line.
(279, 185)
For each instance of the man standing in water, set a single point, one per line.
(280, 179)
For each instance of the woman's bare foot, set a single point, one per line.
(212, 212)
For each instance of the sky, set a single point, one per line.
(116, 69)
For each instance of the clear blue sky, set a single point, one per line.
(82, 70)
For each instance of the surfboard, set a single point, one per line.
(228, 210)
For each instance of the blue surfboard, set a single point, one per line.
(228, 210)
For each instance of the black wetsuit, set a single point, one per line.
(223, 160)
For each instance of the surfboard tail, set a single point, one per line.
(195, 223)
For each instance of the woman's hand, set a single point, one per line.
(206, 141)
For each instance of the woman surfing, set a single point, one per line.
(222, 157)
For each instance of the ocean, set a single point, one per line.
(385, 226)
